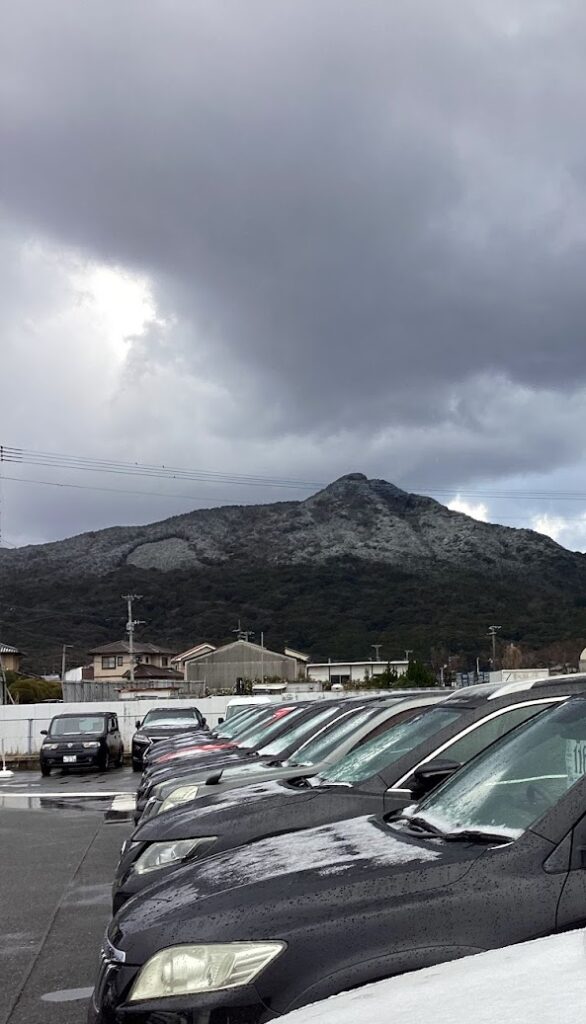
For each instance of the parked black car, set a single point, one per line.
(356, 722)
(161, 723)
(217, 753)
(75, 740)
(384, 774)
(493, 857)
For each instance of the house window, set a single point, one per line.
(109, 662)
(119, 660)
(164, 661)
(147, 659)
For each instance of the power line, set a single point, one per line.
(78, 463)
(86, 464)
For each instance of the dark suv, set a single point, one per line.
(161, 723)
(90, 738)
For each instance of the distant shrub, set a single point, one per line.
(28, 690)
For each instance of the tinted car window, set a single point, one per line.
(372, 757)
(487, 732)
(77, 724)
(514, 782)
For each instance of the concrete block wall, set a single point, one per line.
(21, 724)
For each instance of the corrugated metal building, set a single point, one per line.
(221, 669)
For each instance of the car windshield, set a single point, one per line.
(300, 731)
(370, 758)
(318, 747)
(77, 724)
(172, 717)
(262, 732)
(238, 724)
(516, 780)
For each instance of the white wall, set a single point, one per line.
(21, 724)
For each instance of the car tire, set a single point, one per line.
(45, 770)
(136, 767)
(104, 762)
(119, 760)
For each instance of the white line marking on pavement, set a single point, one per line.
(124, 802)
(41, 794)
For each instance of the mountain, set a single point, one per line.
(359, 562)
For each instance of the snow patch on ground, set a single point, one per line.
(539, 982)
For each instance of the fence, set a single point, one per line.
(93, 690)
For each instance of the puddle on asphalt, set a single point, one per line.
(67, 995)
(54, 802)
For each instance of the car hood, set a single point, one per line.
(216, 812)
(246, 775)
(269, 887)
(160, 771)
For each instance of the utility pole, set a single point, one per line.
(407, 655)
(131, 623)
(376, 648)
(492, 632)
(262, 657)
(63, 660)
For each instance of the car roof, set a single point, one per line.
(84, 714)
(473, 696)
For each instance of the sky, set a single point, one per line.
(290, 240)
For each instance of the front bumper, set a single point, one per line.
(108, 1004)
(58, 760)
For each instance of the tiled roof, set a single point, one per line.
(122, 647)
(153, 672)
(7, 649)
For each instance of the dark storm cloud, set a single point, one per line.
(358, 206)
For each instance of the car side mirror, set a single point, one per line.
(204, 722)
(137, 723)
(430, 775)
(220, 721)
(44, 732)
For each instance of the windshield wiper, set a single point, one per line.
(477, 835)
(423, 825)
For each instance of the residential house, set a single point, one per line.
(112, 661)
(10, 657)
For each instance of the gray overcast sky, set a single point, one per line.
(294, 239)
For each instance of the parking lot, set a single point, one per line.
(59, 843)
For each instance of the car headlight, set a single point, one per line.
(189, 969)
(50, 746)
(91, 743)
(163, 855)
(178, 796)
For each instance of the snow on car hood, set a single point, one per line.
(328, 850)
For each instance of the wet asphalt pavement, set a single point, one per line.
(59, 844)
